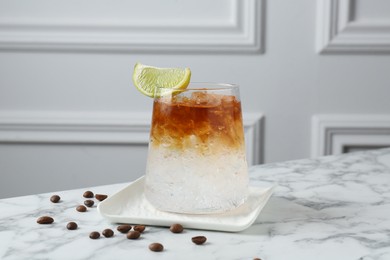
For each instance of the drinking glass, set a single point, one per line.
(196, 159)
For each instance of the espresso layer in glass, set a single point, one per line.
(196, 160)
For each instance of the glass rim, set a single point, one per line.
(207, 86)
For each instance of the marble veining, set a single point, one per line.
(333, 207)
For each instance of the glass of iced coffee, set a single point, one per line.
(196, 160)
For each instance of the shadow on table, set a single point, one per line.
(280, 212)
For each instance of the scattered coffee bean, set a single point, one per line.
(89, 203)
(88, 194)
(176, 228)
(133, 235)
(139, 228)
(94, 235)
(45, 220)
(100, 197)
(108, 232)
(81, 208)
(71, 226)
(156, 247)
(124, 228)
(256, 258)
(55, 198)
(199, 240)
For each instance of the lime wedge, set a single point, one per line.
(147, 78)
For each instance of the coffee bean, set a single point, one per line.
(256, 258)
(108, 232)
(176, 228)
(199, 240)
(94, 235)
(81, 208)
(156, 247)
(139, 228)
(55, 198)
(45, 220)
(89, 203)
(124, 228)
(88, 194)
(71, 226)
(100, 197)
(133, 235)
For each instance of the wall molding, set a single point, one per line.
(59, 128)
(339, 33)
(241, 32)
(335, 134)
(254, 137)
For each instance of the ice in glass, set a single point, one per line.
(196, 159)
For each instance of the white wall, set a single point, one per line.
(66, 63)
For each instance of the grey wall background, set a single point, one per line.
(66, 67)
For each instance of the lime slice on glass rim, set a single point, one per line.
(147, 78)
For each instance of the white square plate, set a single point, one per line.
(130, 206)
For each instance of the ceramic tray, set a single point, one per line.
(130, 206)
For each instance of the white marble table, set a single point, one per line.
(335, 207)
